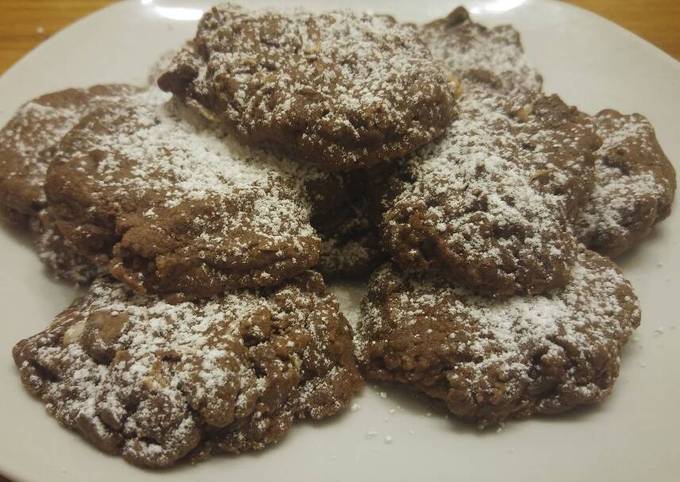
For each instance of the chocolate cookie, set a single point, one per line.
(26, 144)
(634, 185)
(174, 207)
(339, 90)
(492, 60)
(467, 207)
(490, 360)
(632, 182)
(561, 143)
(475, 53)
(159, 383)
(60, 257)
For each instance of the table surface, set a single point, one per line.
(26, 23)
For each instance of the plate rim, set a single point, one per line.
(658, 52)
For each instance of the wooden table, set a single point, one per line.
(26, 23)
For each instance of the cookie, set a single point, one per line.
(560, 144)
(634, 185)
(159, 383)
(466, 206)
(490, 360)
(339, 90)
(475, 53)
(492, 60)
(174, 207)
(631, 181)
(61, 259)
(26, 144)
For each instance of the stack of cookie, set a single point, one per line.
(279, 144)
(496, 300)
(191, 217)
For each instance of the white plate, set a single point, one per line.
(632, 436)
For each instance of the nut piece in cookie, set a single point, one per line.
(490, 360)
(174, 207)
(339, 90)
(468, 208)
(634, 185)
(159, 383)
(27, 141)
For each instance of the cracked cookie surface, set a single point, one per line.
(617, 195)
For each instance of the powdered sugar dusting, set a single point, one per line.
(346, 258)
(59, 119)
(155, 149)
(632, 182)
